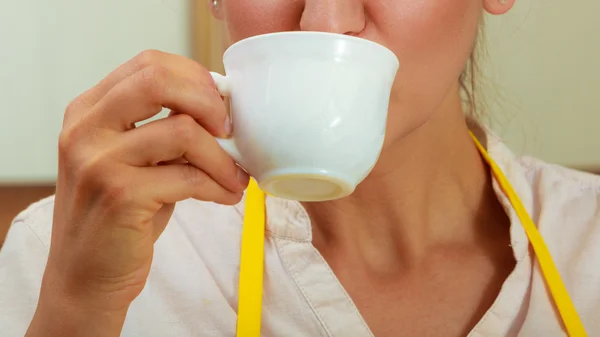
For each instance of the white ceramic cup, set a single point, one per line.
(308, 109)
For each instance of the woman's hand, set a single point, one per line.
(117, 186)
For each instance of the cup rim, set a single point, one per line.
(381, 47)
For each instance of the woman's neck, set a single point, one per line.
(428, 190)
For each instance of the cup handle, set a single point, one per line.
(222, 83)
(228, 145)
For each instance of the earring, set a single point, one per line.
(502, 2)
(215, 3)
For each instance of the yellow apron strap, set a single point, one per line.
(252, 259)
(250, 285)
(563, 302)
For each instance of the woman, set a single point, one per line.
(428, 245)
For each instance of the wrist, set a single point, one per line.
(59, 316)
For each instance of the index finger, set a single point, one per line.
(177, 64)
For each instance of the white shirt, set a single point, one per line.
(192, 287)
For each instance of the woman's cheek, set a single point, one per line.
(414, 29)
(433, 40)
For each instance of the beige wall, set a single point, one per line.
(208, 37)
(52, 51)
(544, 58)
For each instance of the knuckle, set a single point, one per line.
(117, 192)
(71, 142)
(76, 109)
(183, 128)
(194, 177)
(73, 108)
(91, 171)
(147, 57)
(152, 81)
(66, 140)
(111, 188)
(76, 143)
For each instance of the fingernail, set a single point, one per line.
(243, 177)
(228, 127)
